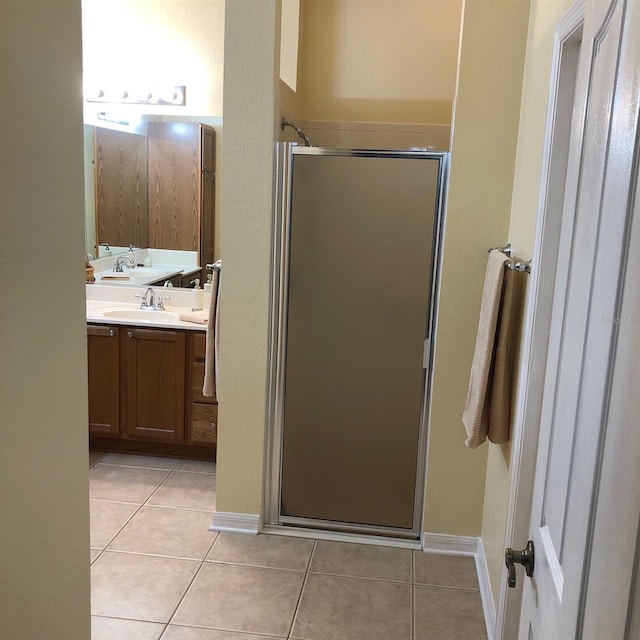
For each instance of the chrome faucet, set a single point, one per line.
(152, 301)
(117, 265)
(148, 298)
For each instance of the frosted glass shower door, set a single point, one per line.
(362, 232)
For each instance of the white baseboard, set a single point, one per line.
(467, 546)
(236, 522)
(453, 545)
(488, 606)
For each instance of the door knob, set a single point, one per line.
(525, 557)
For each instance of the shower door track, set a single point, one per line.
(283, 192)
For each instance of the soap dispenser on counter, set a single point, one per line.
(135, 257)
(208, 285)
(196, 296)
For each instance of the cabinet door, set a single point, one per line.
(207, 196)
(174, 178)
(207, 218)
(122, 216)
(104, 380)
(155, 379)
(208, 142)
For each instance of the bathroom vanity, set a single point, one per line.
(146, 372)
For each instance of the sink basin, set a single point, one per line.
(139, 314)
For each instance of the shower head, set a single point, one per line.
(301, 134)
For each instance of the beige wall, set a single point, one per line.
(535, 94)
(44, 534)
(482, 165)
(378, 60)
(251, 72)
(157, 41)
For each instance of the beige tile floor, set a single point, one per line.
(159, 573)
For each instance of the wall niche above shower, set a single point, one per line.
(158, 190)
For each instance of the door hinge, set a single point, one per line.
(426, 354)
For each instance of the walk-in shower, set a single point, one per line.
(357, 237)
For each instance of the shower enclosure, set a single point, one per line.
(357, 237)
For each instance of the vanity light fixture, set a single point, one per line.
(174, 95)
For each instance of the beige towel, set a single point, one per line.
(477, 409)
(115, 276)
(198, 317)
(213, 341)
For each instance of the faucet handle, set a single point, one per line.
(159, 302)
(144, 304)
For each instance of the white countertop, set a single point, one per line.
(142, 276)
(119, 305)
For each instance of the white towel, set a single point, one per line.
(478, 403)
(209, 388)
(197, 317)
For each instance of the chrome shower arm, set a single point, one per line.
(301, 134)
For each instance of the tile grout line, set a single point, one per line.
(412, 618)
(121, 528)
(130, 518)
(138, 466)
(154, 506)
(352, 577)
(304, 584)
(139, 507)
(413, 612)
(170, 474)
(195, 575)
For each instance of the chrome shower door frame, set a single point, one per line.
(283, 195)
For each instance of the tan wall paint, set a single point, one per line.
(379, 60)
(289, 102)
(535, 95)
(251, 72)
(163, 41)
(44, 535)
(482, 165)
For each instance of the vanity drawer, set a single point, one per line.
(199, 345)
(204, 423)
(197, 381)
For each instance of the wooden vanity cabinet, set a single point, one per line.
(103, 346)
(154, 365)
(202, 411)
(145, 391)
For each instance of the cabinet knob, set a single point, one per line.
(111, 333)
(213, 425)
(130, 334)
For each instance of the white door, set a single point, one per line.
(586, 504)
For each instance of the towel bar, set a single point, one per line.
(514, 266)
(520, 266)
(506, 249)
(214, 266)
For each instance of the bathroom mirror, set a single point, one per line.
(152, 186)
